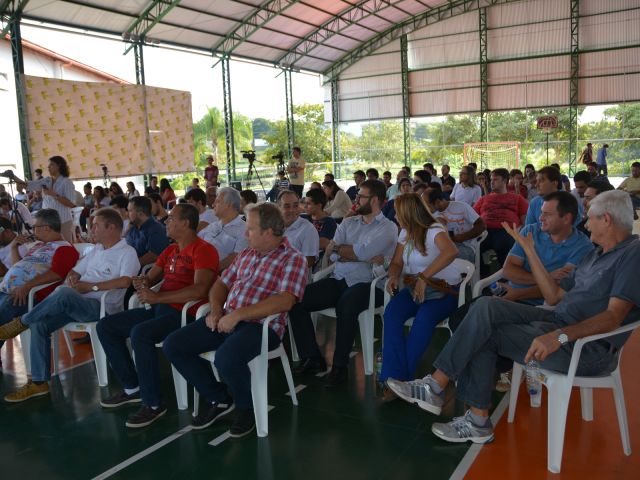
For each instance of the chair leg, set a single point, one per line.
(69, 342)
(516, 379)
(294, 349)
(558, 404)
(621, 410)
(196, 402)
(55, 339)
(99, 357)
(259, 367)
(287, 373)
(366, 321)
(25, 342)
(181, 389)
(586, 403)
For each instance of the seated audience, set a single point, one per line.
(359, 241)
(325, 225)
(532, 186)
(423, 258)
(100, 197)
(372, 174)
(301, 234)
(338, 202)
(265, 279)
(580, 181)
(462, 223)
(212, 193)
(6, 210)
(394, 190)
(558, 244)
(187, 268)
(358, 177)
(386, 178)
(599, 296)
(497, 207)
(120, 203)
(247, 198)
(147, 236)
(131, 191)
(448, 182)
(109, 266)
(631, 185)
(115, 190)
(7, 235)
(483, 183)
(35, 201)
(564, 180)
(206, 215)
(152, 187)
(594, 189)
(516, 183)
(548, 181)
(157, 209)
(167, 194)
(227, 234)
(422, 176)
(195, 183)
(431, 170)
(466, 190)
(388, 210)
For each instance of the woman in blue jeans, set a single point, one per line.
(423, 262)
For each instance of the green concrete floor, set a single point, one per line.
(333, 434)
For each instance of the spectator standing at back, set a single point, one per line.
(153, 186)
(296, 171)
(601, 160)
(586, 156)
(211, 173)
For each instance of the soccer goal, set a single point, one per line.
(493, 155)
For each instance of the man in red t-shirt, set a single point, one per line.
(187, 269)
(497, 207)
(48, 260)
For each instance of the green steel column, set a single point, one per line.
(406, 114)
(335, 127)
(139, 62)
(484, 83)
(228, 119)
(288, 94)
(18, 72)
(573, 87)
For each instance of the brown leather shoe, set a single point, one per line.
(12, 329)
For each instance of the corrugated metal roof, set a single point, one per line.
(306, 35)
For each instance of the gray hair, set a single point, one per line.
(270, 217)
(618, 205)
(231, 196)
(50, 218)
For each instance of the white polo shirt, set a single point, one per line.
(228, 238)
(303, 236)
(208, 216)
(101, 265)
(468, 195)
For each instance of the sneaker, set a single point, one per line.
(418, 392)
(27, 391)
(145, 416)
(504, 384)
(121, 398)
(12, 329)
(462, 429)
(210, 414)
(310, 366)
(337, 376)
(243, 424)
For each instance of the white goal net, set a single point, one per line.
(493, 155)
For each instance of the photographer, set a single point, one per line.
(58, 193)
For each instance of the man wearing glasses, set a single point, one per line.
(187, 269)
(108, 266)
(359, 241)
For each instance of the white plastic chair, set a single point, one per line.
(559, 386)
(179, 383)
(83, 248)
(485, 282)
(75, 216)
(466, 269)
(259, 387)
(478, 256)
(366, 320)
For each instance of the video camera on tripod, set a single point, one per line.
(249, 155)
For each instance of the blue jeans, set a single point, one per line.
(465, 252)
(400, 354)
(495, 326)
(233, 353)
(8, 311)
(63, 306)
(146, 328)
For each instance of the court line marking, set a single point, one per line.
(143, 453)
(467, 461)
(298, 389)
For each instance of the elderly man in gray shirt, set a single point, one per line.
(358, 241)
(600, 295)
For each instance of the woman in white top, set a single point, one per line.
(131, 191)
(339, 203)
(466, 190)
(424, 261)
(58, 193)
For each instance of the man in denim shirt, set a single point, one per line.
(147, 235)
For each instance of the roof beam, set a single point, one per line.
(436, 14)
(333, 26)
(151, 16)
(250, 24)
(18, 7)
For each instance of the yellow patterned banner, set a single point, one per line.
(93, 124)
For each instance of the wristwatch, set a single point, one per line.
(562, 337)
(95, 289)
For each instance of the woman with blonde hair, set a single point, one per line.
(424, 260)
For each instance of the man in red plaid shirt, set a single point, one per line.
(266, 278)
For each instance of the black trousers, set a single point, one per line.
(348, 302)
(297, 188)
(501, 242)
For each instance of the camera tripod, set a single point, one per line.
(250, 171)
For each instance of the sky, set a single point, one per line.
(256, 90)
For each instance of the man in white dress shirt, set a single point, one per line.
(302, 235)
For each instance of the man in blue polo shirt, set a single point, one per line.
(558, 244)
(146, 235)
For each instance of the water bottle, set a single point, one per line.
(496, 289)
(534, 383)
(378, 363)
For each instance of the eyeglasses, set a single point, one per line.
(359, 195)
